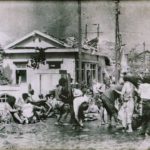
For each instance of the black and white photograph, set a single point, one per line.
(74, 74)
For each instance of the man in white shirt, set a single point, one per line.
(144, 92)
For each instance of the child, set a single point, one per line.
(28, 111)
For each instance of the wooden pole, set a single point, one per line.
(80, 41)
(86, 32)
(117, 41)
(40, 83)
(98, 32)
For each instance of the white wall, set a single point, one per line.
(69, 65)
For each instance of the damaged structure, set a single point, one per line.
(59, 58)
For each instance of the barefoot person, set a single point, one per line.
(127, 107)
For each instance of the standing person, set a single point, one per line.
(127, 107)
(63, 80)
(144, 92)
(108, 99)
(98, 89)
(65, 89)
(64, 94)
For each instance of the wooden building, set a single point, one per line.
(59, 58)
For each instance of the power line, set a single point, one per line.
(129, 32)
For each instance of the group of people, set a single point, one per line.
(127, 102)
(23, 110)
(135, 96)
(120, 102)
(31, 109)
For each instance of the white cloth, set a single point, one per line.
(76, 104)
(77, 92)
(27, 110)
(19, 102)
(144, 91)
(98, 87)
(125, 113)
(128, 90)
(34, 98)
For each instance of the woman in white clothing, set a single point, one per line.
(127, 108)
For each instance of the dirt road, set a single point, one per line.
(46, 135)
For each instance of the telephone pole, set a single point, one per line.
(144, 51)
(86, 30)
(80, 42)
(117, 41)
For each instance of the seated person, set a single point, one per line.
(28, 110)
(53, 104)
(36, 100)
(10, 113)
(93, 108)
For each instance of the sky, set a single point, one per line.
(60, 19)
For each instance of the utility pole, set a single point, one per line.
(86, 26)
(80, 42)
(144, 51)
(117, 41)
(98, 32)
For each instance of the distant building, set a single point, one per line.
(59, 58)
(140, 62)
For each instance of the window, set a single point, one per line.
(21, 76)
(54, 65)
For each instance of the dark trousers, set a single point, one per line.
(145, 115)
(110, 107)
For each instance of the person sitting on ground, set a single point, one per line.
(53, 104)
(93, 108)
(9, 113)
(28, 110)
(39, 101)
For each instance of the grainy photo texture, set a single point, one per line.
(74, 74)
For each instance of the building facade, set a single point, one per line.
(60, 58)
